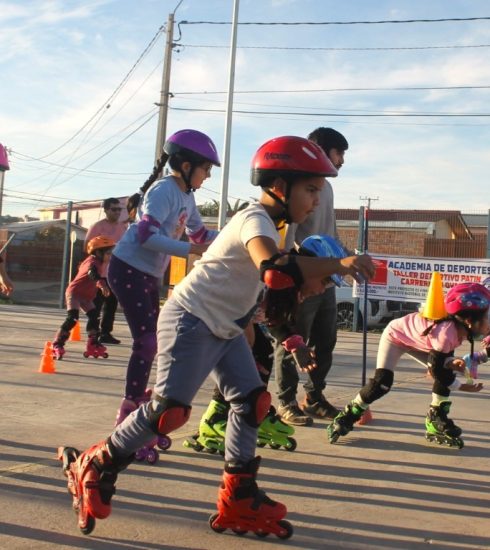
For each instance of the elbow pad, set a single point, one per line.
(94, 274)
(147, 227)
(281, 277)
(202, 236)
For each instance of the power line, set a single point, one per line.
(330, 49)
(106, 103)
(385, 114)
(320, 23)
(324, 90)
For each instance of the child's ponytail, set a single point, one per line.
(157, 169)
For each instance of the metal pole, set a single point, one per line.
(223, 205)
(66, 252)
(2, 177)
(164, 92)
(365, 303)
(488, 234)
(360, 241)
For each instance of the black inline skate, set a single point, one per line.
(344, 422)
(440, 428)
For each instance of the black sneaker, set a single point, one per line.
(293, 415)
(108, 339)
(320, 409)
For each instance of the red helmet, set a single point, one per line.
(467, 298)
(289, 156)
(99, 242)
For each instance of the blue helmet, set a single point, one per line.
(324, 246)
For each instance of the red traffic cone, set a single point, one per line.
(366, 418)
(47, 362)
(75, 335)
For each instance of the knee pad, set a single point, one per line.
(442, 376)
(146, 346)
(377, 386)
(71, 320)
(168, 415)
(257, 404)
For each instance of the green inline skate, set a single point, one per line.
(344, 422)
(275, 433)
(441, 429)
(211, 435)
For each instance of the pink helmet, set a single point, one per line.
(467, 298)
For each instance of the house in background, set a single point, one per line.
(420, 233)
(84, 213)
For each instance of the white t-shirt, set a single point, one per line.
(223, 287)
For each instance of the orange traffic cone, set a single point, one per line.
(47, 361)
(75, 335)
(434, 306)
(366, 418)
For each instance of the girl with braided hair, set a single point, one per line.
(166, 209)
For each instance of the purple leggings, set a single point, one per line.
(137, 292)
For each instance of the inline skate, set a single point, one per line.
(91, 478)
(440, 428)
(344, 422)
(275, 433)
(243, 507)
(148, 452)
(211, 435)
(59, 344)
(95, 348)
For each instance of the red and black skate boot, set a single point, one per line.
(92, 478)
(59, 344)
(243, 507)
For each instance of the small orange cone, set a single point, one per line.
(47, 361)
(366, 418)
(434, 305)
(75, 335)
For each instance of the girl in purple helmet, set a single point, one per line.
(167, 208)
(432, 343)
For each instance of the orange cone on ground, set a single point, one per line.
(75, 335)
(47, 361)
(434, 305)
(366, 417)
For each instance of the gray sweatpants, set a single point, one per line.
(390, 353)
(187, 353)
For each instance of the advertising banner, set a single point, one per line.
(405, 279)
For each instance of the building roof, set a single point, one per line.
(82, 205)
(476, 220)
(454, 218)
(22, 227)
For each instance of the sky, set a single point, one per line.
(80, 79)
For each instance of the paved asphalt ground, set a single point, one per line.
(382, 487)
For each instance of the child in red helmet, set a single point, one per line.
(201, 332)
(81, 293)
(432, 343)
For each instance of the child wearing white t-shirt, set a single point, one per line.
(200, 332)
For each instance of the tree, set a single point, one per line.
(211, 209)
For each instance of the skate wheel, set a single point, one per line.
(140, 455)
(262, 534)
(152, 456)
(105, 355)
(211, 451)
(333, 437)
(221, 453)
(260, 444)
(85, 354)
(89, 525)
(287, 527)
(240, 532)
(459, 443)
(274, 446)
(292, 444)
(215, 528)
(164, 443)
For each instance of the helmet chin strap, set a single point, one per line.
(284, 217)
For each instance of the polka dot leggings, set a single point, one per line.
(137, 293)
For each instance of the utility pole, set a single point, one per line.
(164, 92)
(66, 253)
(4, 166)
(368, 200)
(225, 171)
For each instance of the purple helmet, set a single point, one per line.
(192, 141)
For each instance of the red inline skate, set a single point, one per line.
(59, 344)
(91, 478)
(95, 348)
(243, 507)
